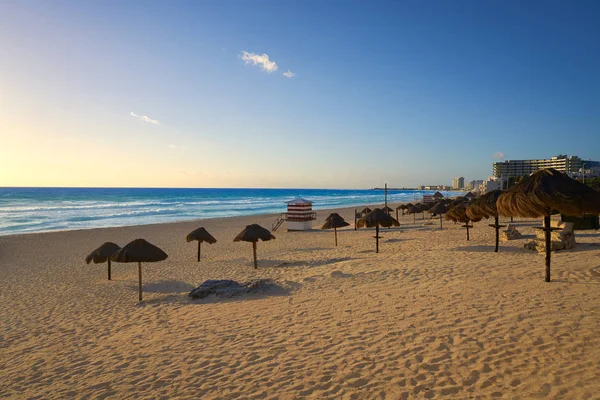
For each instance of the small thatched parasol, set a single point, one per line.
(201, 235)
(414, 210)
(457, 213)
(470, 196)
(139, 251)
(334, 220)
(401, 207)
(485, 207)
(102, 254)
(438, 196)
(457, 200)
(439, 209)
(543, 192)
(365, 211)
(375, 219)
(387, 210)
(253, 233)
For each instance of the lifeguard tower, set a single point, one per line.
(299, 215)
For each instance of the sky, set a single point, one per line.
(292, 94)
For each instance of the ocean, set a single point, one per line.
(28, 210)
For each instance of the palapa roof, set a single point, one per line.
(439, 208)
(366, 210)
(387, 209)
(254, 233)
(545, 191)
(299, 200)
(484, 206)
(377, 216)
(201, 235)
(458, 213)
(334, 220)
(139, 250)
(102, 253)
(438, 195)
(469, 195)
(414, 209)
(401, 207)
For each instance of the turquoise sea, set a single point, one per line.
(26, 210)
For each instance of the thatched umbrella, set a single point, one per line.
(544, 192)
(334, 220)
(414, 210)
(365, 211)
(470, 196)
(457, 213)
(457, 200)
(139, 251)
(253, 233)
(102, 254)
(387, 210)
(438, 196)
(401, 207)
(439, 208)
(485, 207)
(376, 218)
(201, 235)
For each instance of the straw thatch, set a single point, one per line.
(387, 210)
(401, 207)
(333, 221)
(253, 233)
(457, 200)
(438, 195)
(457, 213)
(377, 218)
(201, 235)
(470, 196)
(139, 251)
(549, 190)
(365, 211)
(438, 208)
(484, 206)
(102, 254)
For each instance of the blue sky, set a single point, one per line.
(403, 92)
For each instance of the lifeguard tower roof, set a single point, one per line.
(299, 200)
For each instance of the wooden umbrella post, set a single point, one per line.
(140, 283)
(441, 222)
(355, 219)
(335, 233)
(547, 232)
(396, 214)
(199, 243)
(467, 225)
(254, 251)
(109, 277)
(497, 233)
(377, 238)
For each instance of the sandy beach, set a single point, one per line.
(430, 316)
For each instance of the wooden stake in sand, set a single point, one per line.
(334, 220)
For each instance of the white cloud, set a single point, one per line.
(289, 74)
(261, 60)
(498, 155)
(144, 118)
